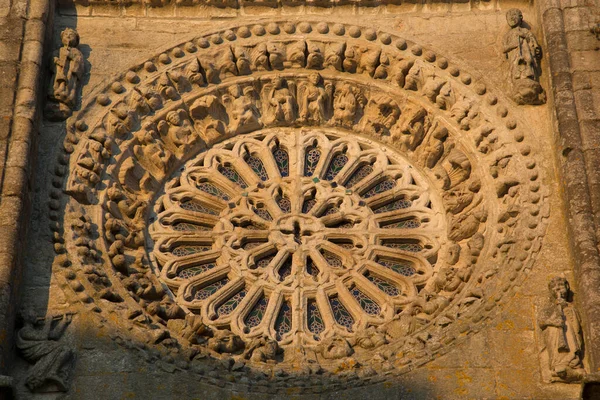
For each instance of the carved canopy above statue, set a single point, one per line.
(296, 193)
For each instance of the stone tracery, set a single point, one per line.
(295, 233)
(449, 131)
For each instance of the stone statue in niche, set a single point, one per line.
(562, 350)
(38, 342)
(524, 54)
(67, 72)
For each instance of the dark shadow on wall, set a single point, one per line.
(43, 225)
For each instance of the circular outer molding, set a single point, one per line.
(174, 183)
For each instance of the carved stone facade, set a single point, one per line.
(268, 205)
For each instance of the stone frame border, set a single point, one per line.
(16, 168)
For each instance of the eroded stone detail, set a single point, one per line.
(562, 335)
(67, 71)
(39, 343)
(261, 125)
(523, 54)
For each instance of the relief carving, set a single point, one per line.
(52, 361)
(250, 205)
(314, 97)
(280, 103)
(67, 72)
(562, 350)
(523, 54)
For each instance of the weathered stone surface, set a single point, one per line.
(275, 199)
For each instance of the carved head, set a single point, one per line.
(270, 348)
(514, 17)
(278, 82)
(174, 118)
(69, 38)
(30, 317)
(559, 288)
(314, 78)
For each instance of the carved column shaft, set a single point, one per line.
(580, 178)
(15, 161)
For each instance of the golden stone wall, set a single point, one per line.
(290, 200)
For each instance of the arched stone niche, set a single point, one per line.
(292, 195)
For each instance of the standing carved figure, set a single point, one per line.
(561, 331)
(67, 71)
(524, 54)
(38, 343)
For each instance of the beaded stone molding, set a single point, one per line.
(294, 196)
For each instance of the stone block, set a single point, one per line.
(577, 19)
(586, 109)
(582, 41)
(11, 209)
(15, 180)
(8, 237)
(582, 80)
(106, 10)
(10, 50)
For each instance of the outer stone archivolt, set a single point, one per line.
(406, 265)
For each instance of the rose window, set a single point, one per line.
(296, 235)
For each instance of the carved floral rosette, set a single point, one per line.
(300, 182)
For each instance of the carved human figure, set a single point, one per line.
(122, 207)
(370, 338)
(412, 126)
(313, 99)
(381, 113)
(242, 60)
(346, 104)
(209, 115)
(562, 335)
(38, 342)
(315, 58)
(194, 330)
(335, 348)
(524, 54)
(245, 116)
(224, 341)
(262, 350)
(280, 102)
(178, 129)
(151, 152)
(67, 72)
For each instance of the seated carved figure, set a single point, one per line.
(38, 343)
